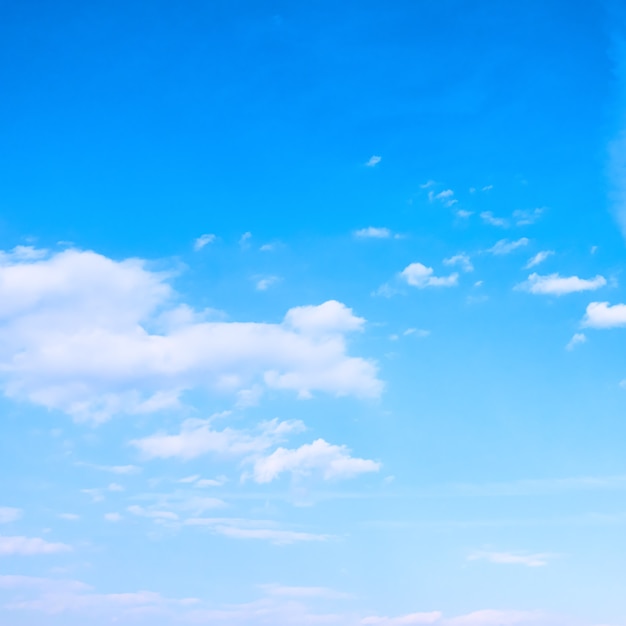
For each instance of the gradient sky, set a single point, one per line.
(312, 313)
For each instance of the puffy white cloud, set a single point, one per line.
(509, 558)
(202, 241)
(197, 437)
(29, 546)
(330, 460)
(372, 232)
(504, 246)
(540, 257)
(94, 337)
(577, 339)
(603, 315)
(461, 259)
(9, 514)
(404, 620)
(556, 285)
(373, 161)
(420, 276)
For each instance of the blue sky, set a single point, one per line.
(312, 313)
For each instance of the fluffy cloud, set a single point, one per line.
(29, 546)
(446, 197)
(373, 161)
(197, 437)
(94, 337)
(420, 276)
(508, 558)
(603, 315)
(504, 246)
(331, 461)
(9, 514)
(556, 285)
(495, 618)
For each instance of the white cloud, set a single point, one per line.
(540, 257)
(373, 161)
(463, 214)
(461, 259)
(487, 188)
(371, 232)
(29, 546)
(577, 339)
(504, 246)
(495, 618)
(489, 218)
(70, 517)
(603, 315)
(556, 285)
(76, 335)
(265, 283)
(418, 332)
(509, 558)
(428, 184)
(9, 514)
(197, 438)
(140, 511)
(244, 239)
(203, 241)
(420, 276)
(446, 197)
(404, 620)
(285, 591)
(255, 529)
(54, 596)
(333, 462)
(113, 517)
(527, 217)
(116, 469)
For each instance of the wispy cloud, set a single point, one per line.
(527, 216)
(263, 284)
(446, 197)
(540, 257)
(576, 340)
(461, 259)
(504, 246)
(373, 161)
(29, 546)
(556, 285)
(202, 241)
(489, 218)
(372, 232)
(9, 514)
(511, 558)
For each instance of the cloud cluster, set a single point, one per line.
(198, 437)
(94, 337)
